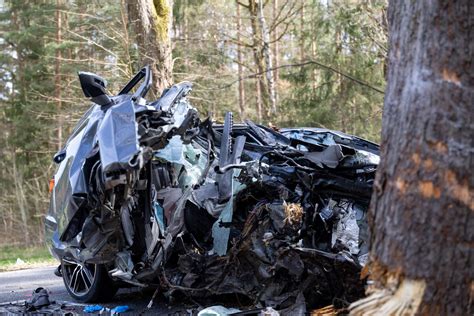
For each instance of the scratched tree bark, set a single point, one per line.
(422, 211)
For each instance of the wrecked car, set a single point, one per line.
(147, 193)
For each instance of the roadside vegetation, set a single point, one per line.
(17, 258)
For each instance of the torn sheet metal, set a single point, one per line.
(117, 135)
(221, 229)
(329, 157)
(345, 232)
(206, 209)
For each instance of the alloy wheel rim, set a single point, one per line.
(78, 277)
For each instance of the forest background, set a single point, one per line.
(285, 63)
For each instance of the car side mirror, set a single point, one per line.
(93, 87)
(59, 156)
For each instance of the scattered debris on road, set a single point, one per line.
(40, 304)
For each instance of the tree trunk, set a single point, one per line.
(314, 39)
(276, 50)
(123, 20)
(257, 49)
(422, 211)
(57, 73)
(258, 97)
(21, 200)
(267, 53)
(151, 21)
(239, 66)
(302, 35)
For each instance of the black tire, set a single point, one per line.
(87, 283)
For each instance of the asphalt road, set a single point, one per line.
(19, 285)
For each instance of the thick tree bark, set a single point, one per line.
(151, 21)
(422, 211)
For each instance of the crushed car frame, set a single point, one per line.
(147, 193)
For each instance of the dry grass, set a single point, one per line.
(18, 258)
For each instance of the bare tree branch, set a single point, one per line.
(302, 64)
(242, 4)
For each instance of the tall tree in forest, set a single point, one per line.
(276, 48)
(57, 71)
(259, 48)
(260, 43)
(151, 21)
(267, 54)
(422, 210)
(240, 66)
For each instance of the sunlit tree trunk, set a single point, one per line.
(263, 101)
(57, 73)
(151, 21)
(123, 19)
(276, 50)
(267, 54)
(422, 211)
(21, 200)
(258, 97)
(239, 66)
(314, 41)
(302, 35)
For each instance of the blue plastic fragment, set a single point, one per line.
(119, 309)
(93, 308)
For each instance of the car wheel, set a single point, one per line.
(87, 282)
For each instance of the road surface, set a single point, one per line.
(19, 285)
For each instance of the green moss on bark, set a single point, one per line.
(162, 18)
